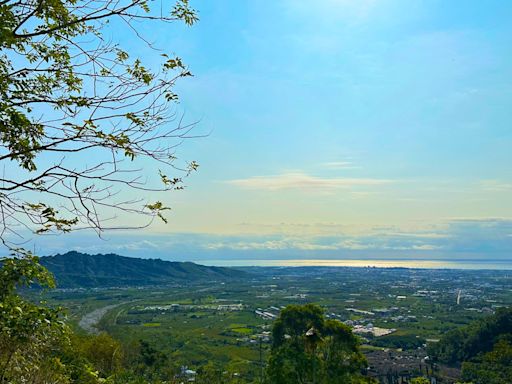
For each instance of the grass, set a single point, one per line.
(151, 324)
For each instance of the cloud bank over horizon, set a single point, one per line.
(458, 239)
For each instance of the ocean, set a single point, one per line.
(381, 263)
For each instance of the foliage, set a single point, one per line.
(209, 373)
(307, 348)
(33, 337)
(493, 367)
(66, 89)
(484, 348)
(149, 360)
(465, 343)
(101, 351)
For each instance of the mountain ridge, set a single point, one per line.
(74, 269)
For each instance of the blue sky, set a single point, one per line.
(337, 128)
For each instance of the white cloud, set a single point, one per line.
(271, 245)
(300, 180)
(475, 235)
(425, 247)
(339, 165)
(495, 186)
(319, 243)
(355, 245)
(420, 235)
(125, 246)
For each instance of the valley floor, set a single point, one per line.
(228, 323)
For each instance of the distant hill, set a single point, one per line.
(74, 269)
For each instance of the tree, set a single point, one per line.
(484, 348)
(209, 374)
(66, 90)
(307, 348)
(494, 367)
(103, 351)
(33, 337)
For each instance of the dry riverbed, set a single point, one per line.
(91, 319)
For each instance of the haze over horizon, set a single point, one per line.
(375, 129)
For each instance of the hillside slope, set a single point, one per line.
(74, 269)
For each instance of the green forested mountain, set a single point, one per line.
(74, 269)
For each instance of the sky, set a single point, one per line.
(337, 129)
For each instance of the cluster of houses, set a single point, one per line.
(187, 307)
(369, 329)
(270, 313)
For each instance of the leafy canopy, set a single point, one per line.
(307, 348)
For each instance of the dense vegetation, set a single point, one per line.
(35, 342)
(484, 348)
(307, 348)
(75, 269)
